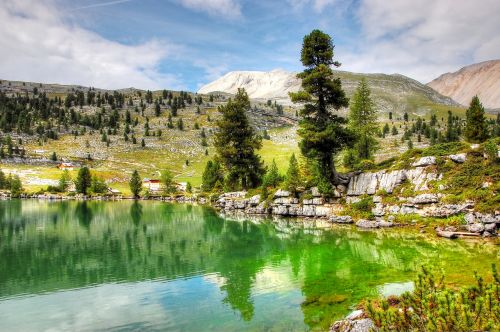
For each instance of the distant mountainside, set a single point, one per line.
(482, 79)
(396, 93)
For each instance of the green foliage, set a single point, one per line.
(236, 143)
(323, 133)
(361, 209)
(293, 178)
(64, 181)
(363, 121)
(16, 186)
(167, 180)
(491, 149)
(444, 149)
(135, 184)
(476, 128)
(272, 177)
(98, 186)
(211, 175)
(433, 306)
(83, 180)
(53, 157)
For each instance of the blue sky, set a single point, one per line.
(183, 44)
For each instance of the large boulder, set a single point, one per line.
(425, 161)
(475, 228)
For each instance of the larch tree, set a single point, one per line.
(322, 130)
(476, 128)
(236, 143)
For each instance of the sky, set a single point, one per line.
(183, 44)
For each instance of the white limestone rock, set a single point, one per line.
(281, 193)
(458, 158)
(425, 161)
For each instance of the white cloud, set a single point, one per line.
(317, 5)
(423, 39)
(229, 9)
(40, 45)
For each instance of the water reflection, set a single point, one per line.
(186, 262)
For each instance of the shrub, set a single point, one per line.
(444, 149)
(432, 306)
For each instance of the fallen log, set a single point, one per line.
(446, 234)
(454, 235)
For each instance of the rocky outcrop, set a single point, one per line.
(370, 183)
(354, 322)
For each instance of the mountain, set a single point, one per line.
(482, 79)
(396, 93)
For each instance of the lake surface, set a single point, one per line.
(121, 266)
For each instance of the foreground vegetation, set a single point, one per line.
(434, 306)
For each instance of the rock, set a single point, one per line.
(424, 199)
(322, 211)
(350, 200)
(356, 314)
(261, 208)
(492, 228)
(280, 210)
(315, 192)
(425, 161)
(391, 218)
(469, 218)
(384, 224)
(254, 200)
(474, 146)
(309, 210)
(475, 228)
(342, 219)
(240, 204)
(359, 325)
(286, 200)
(487, 234)
(378, 210)
(377, 199)
(295, 210)
(458, 158)
(388, 181)
(234, 194)
(364, 183)
(363, 223)
(488, 219)
(281, 193)
(446, 210)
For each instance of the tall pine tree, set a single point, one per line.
(323, 133)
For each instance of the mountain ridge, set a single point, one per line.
(482, 79)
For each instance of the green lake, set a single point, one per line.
(144, 266)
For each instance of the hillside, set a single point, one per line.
(482, 79)
(392, 93)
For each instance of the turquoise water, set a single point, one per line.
(120, 266)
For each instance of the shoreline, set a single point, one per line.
(241, 207)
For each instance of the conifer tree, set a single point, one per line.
(323, 133)
(83, 180)
(362, 120)
(272, 177)
(211, 174)
(236, 142)
(293, 180)
(476, 129)
(135, 184)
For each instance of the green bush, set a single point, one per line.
(433, 306)
(444, 149)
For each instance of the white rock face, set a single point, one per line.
(482, 79)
